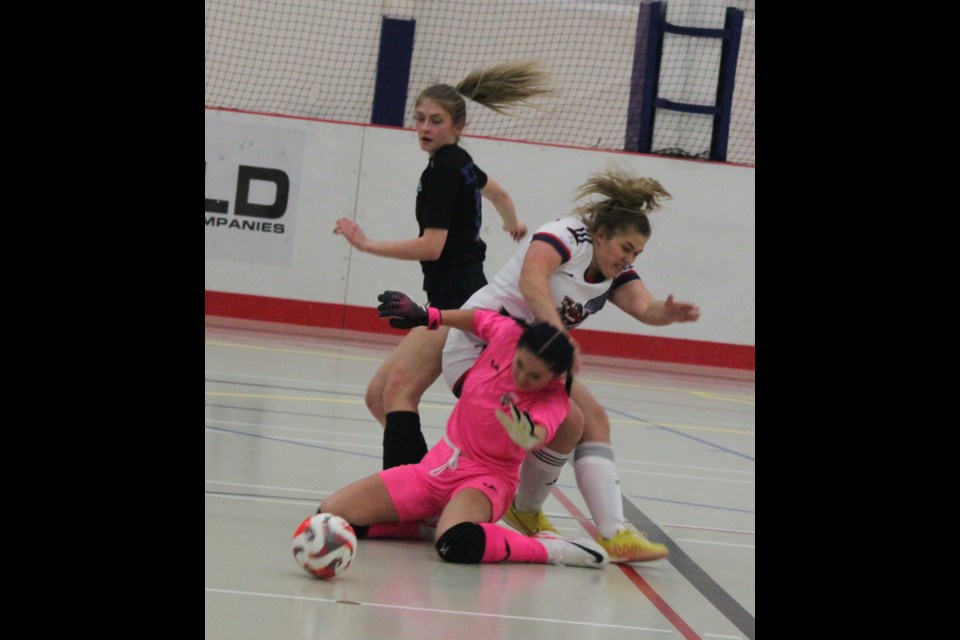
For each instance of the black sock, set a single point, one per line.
(360, 530)
(403, 441)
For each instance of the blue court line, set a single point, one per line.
(689, 569)
(285, 441)
(368, 455)
(696, 576)
(574, 487)
(700, 579)
(680, 433)
(319, 416)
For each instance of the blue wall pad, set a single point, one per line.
(393, 71)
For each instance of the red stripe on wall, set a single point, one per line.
(598, 343)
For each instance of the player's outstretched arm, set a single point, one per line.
(405, 313)
(503, 203)
(634, 298)
(427, 247)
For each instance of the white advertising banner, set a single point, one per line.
(251, 182)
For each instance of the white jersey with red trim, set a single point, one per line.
(575, 298)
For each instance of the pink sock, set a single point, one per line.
(504, 545)
(412, 530)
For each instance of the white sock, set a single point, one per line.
(600, 486)
(539, 472)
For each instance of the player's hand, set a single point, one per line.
(676, 311)
(518, 426)
(404, 313)
(516, 230)
(352, 232)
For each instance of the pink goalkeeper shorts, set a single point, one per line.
(421, 491)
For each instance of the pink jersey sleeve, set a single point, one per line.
(489, 324)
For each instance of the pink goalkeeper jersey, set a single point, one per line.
(473, 425)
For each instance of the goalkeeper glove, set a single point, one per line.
(518, 426)
(404, 313)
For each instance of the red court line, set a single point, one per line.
(631, 573)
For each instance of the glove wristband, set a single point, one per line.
(433, 318)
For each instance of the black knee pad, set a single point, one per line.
(463, 543)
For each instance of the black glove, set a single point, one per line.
(404, 313)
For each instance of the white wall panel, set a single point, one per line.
(702, 248)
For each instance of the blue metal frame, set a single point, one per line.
(733, 26)
(651, 25)
(646, 74)
(393, 71)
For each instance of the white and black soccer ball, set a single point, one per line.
(324, 545)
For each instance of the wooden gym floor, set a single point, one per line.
(285, 424)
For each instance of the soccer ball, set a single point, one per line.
(324, 545)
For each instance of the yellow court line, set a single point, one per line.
(686, 427)
(430, 405)
(703, 394)
(725, 396)
(296, 351)
(266, 396)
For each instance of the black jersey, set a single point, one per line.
(448, 197)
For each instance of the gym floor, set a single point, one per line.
(285, 425)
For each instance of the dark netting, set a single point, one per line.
(318, 60)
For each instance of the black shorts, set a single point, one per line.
(454, 297)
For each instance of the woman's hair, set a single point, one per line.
(495, 87)
(623, 204)
(550, 345)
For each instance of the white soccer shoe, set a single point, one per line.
(568, 552)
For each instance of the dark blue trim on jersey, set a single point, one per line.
(624, 278)
(393, 71)
(595, 304)
(556, 243)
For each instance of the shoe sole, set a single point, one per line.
(519, 526)
(639, 558)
